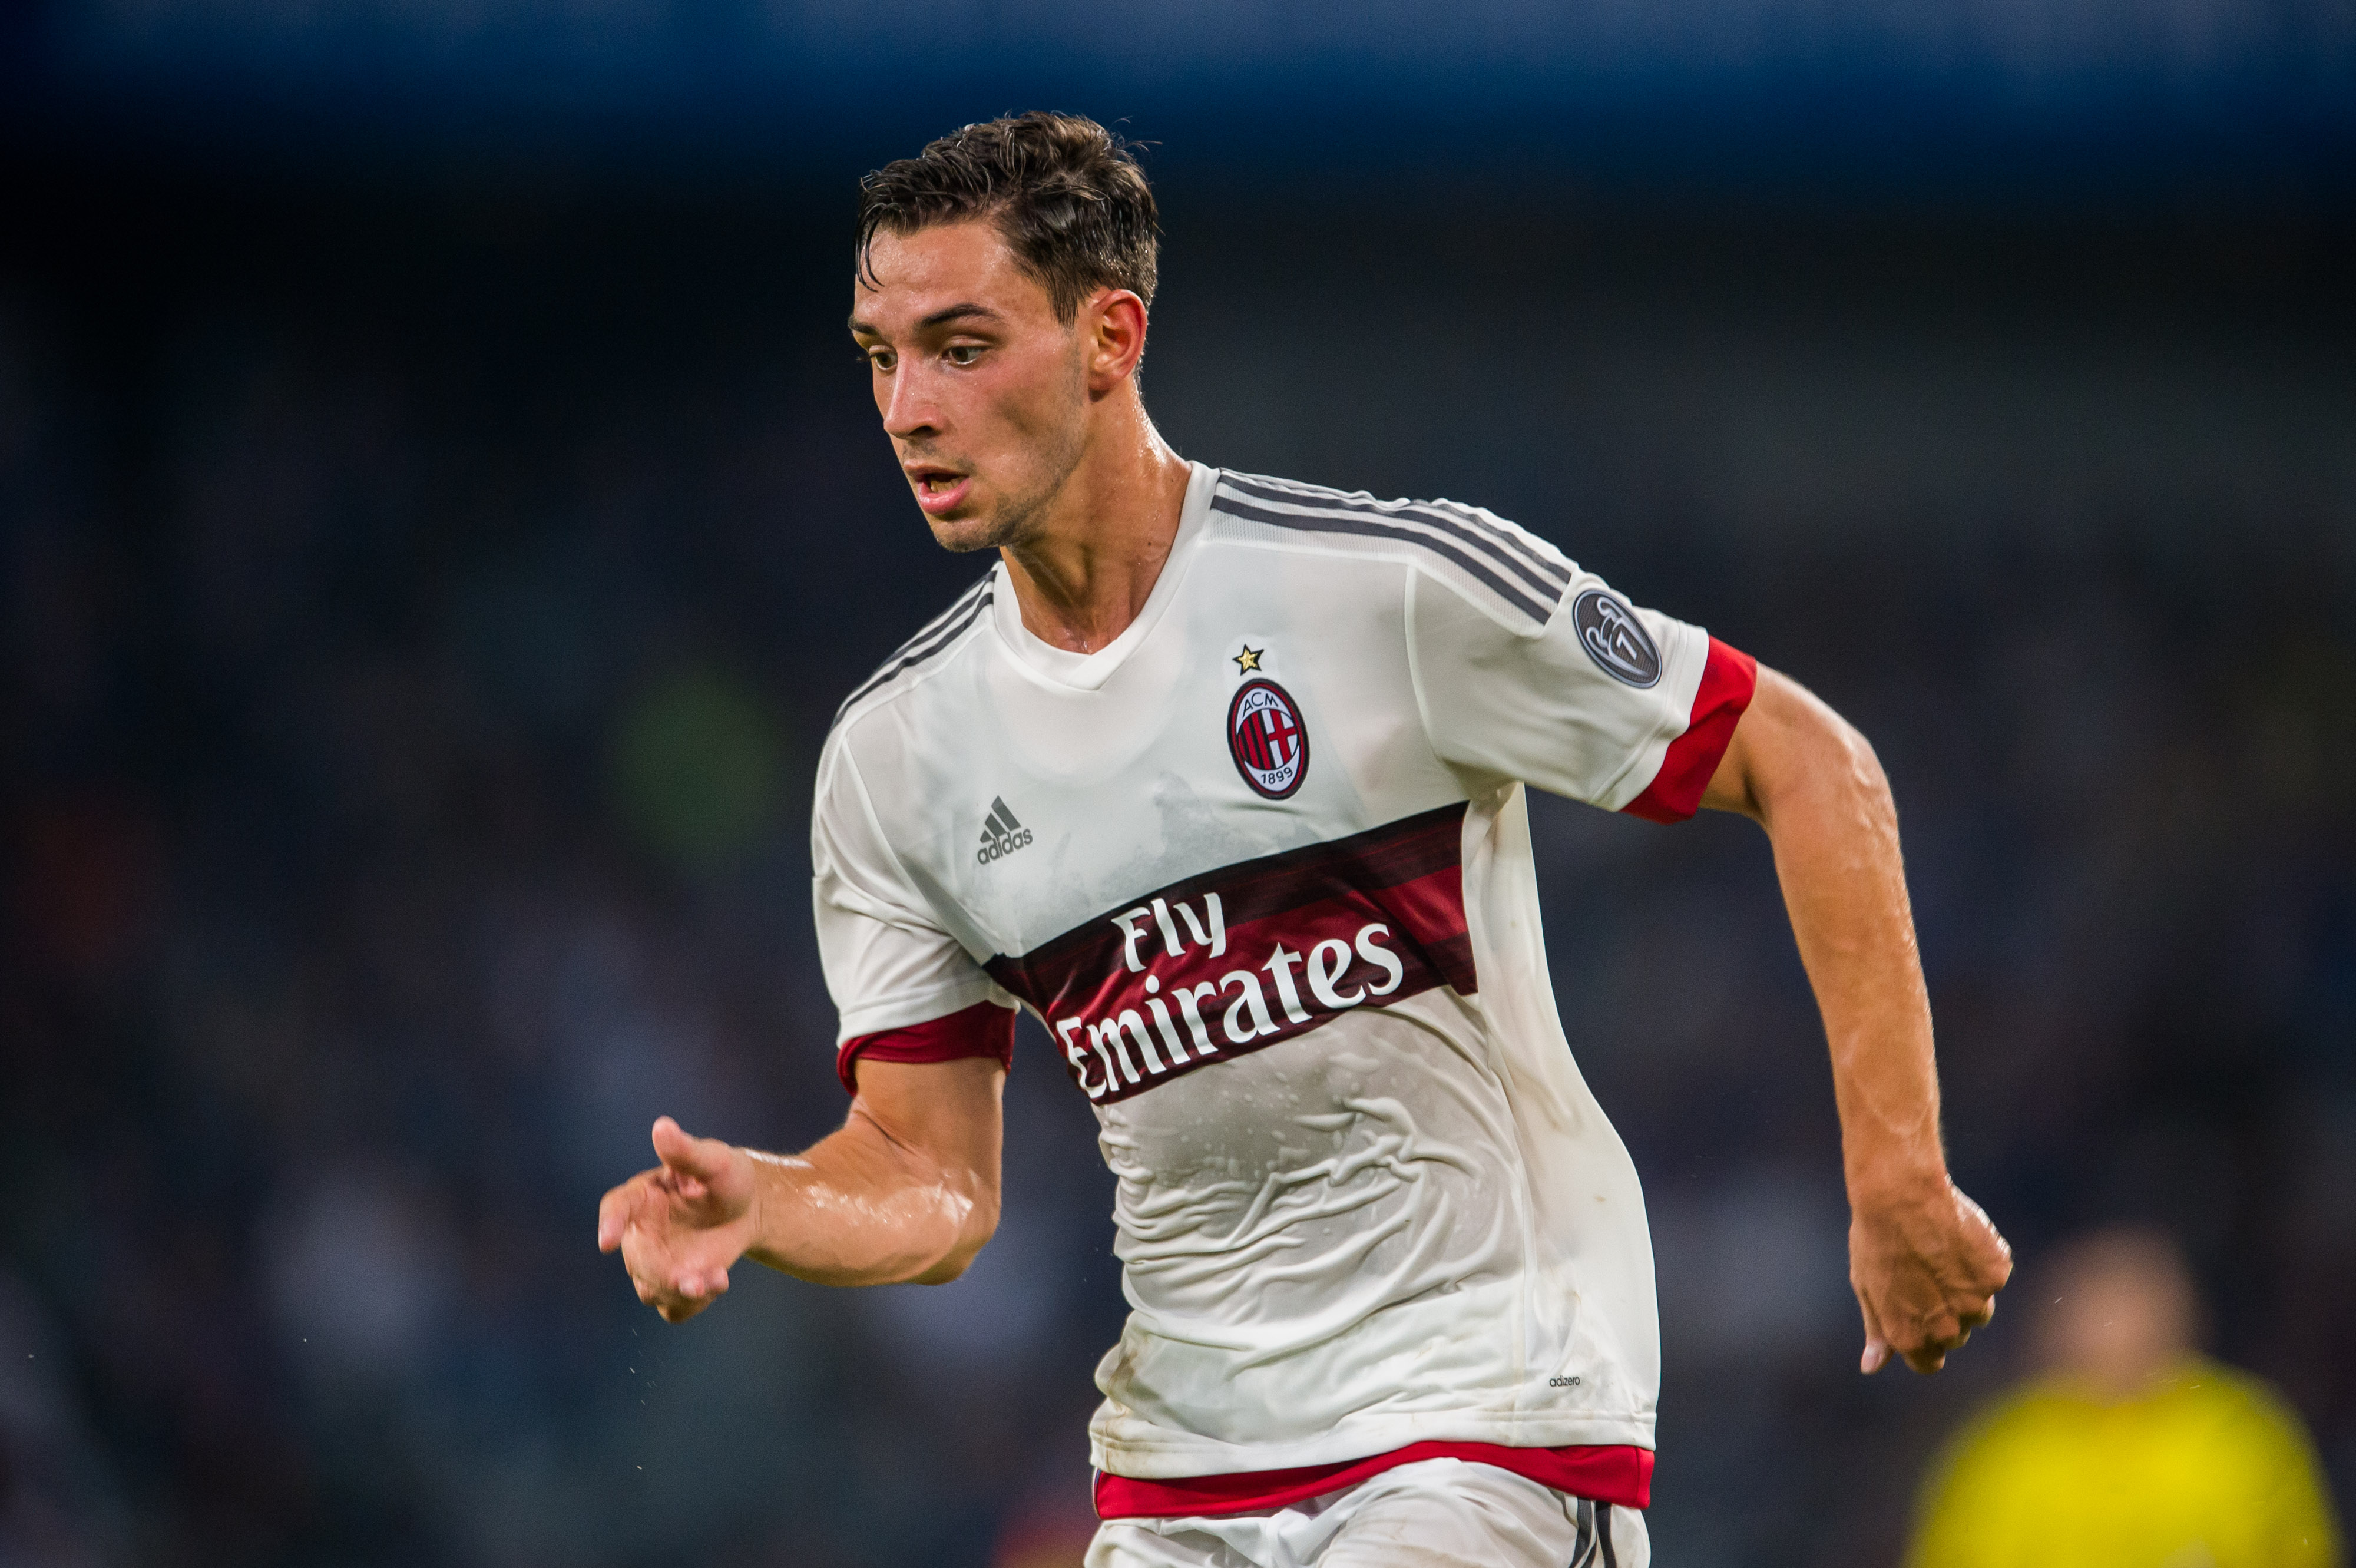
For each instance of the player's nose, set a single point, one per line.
(909, 408)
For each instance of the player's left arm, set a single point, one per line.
(1923, 1258)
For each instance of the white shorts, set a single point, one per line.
(1435, 1513)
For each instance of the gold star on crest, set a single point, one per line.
(1249, 659)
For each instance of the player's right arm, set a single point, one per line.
(906, 1190)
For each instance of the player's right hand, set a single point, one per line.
(681, 1225)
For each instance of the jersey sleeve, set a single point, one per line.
(902, 987)
(1604, 702)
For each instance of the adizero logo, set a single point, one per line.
(1000, 834)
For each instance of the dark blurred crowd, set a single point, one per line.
(416, 651)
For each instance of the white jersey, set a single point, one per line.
(1262, 868)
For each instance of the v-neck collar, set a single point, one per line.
(1090, 671)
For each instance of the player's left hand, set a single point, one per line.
(1926, 1268)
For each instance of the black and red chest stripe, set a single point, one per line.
(1234, 961)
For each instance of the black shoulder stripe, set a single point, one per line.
(1505, 541)
(1543, 576)
(1453, 512)
(957, 606)
(1539, 609)
(930, 641)
(918, 655)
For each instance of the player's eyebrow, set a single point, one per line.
(965, 310)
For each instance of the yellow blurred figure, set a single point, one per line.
(2130, 1451)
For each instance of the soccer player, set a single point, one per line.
(1221, 777)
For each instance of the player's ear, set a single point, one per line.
(1114, 319)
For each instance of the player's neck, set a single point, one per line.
(1085, 573)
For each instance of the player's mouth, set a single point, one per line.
(938, 490)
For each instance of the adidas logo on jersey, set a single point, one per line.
(1000, 834)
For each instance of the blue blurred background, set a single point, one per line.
(441, 513)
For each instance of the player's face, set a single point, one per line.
(982, 390)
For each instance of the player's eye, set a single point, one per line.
(963, 353)
(878, 358)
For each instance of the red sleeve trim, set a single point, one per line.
(985, 1029)
(1727, 679)
(1621, 1476)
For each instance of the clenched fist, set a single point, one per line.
(1926, 1267)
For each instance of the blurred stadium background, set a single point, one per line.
(439, 512)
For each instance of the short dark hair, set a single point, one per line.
(1065, 193)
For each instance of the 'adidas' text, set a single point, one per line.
(1000, 834)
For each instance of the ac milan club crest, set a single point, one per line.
(1270, 742)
